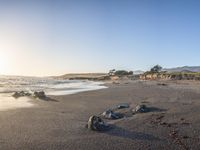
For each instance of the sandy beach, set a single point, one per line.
(99, 75)
(173, 123)
(8, 102)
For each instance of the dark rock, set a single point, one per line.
(21, 94)
(16, 95)
(96, 124)
(162, 84)
(27, 94)
(124, 105)
(40, 95)
(141, 109)
(109, 114)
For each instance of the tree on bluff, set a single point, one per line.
(156, 69)
(120, 72)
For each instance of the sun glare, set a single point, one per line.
(3, 63)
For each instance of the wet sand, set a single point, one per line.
(173, 123)
(8, 102)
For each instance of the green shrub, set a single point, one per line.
(123, 73)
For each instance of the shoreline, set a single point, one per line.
(8, 102)
(60, 122)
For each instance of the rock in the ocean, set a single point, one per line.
(40, 95)
(141, 109)
(21, 94)
(109, 114)
(96, 124)
(16, 95)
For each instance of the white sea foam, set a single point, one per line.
(10, 84)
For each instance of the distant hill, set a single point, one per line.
(84, 76)
(183, 69)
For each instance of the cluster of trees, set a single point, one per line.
(120, 72)
(155, 69)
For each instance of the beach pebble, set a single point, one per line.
(96, 124)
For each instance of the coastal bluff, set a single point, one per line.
(85, 76)
(170, 76)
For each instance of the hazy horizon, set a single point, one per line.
(46, 37)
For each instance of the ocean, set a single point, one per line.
(51, 86)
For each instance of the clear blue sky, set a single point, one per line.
(51, 37)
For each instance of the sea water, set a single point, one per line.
(50, 85)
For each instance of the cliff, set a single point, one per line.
(170, 76)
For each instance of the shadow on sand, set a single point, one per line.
(132, 135)
(155, 109)
(49, 99)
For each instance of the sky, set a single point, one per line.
(54, 37)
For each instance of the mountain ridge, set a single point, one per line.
(183, 69)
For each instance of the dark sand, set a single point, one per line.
(173, 123)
